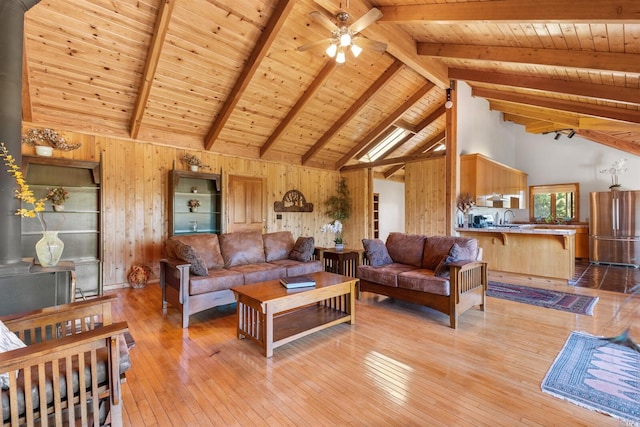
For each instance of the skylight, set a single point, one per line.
(384, 145)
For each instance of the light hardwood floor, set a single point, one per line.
(399, 364)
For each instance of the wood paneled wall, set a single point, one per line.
(134, 187)
(425, 197)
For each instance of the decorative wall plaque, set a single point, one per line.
(293, 201)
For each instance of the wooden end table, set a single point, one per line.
(271, 315)
(342, 262)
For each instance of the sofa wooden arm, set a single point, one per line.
(174, 273)
(68, 373)
(466, 276)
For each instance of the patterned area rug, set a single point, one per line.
(580, 304)
(597, 375)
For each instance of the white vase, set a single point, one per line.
(194, 168)
(43, 150)
(58, 208)
(339, 246)
(49, 249)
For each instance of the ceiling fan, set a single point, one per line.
(346, 37)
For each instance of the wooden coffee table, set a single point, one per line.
(271, 315)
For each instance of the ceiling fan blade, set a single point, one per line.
(323, 20)
(370, 44)
(365, 20)
(311, 45)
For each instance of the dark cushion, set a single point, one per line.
(217, 280)
(277, 245)
(206, 246)
(465, 251)
(423, 280)
(406, 248)
(303, 249)
(383, 274)
(376, 252)
(188, 254)
(299, 268)
(241, 248)
(436, 249)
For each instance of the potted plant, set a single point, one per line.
(339, 209)
(194, 162)
(193, 205)
(57, 196)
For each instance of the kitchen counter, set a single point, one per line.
(521, 229)
(527, 250)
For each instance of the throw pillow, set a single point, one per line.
(457, 253)
(303, 249)
(8, 341)
(188, 254)
(376, 252)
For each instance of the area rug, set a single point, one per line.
(579, 304)
(597, 375)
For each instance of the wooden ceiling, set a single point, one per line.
(225, 75)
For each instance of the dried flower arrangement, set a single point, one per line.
(194, 203)
(47, 137)
(57, 195)
(139, 275)
(192, 160)
(465, 203)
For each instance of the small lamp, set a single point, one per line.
(449, 102)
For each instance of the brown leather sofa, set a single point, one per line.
(201, 269)
(442, 272)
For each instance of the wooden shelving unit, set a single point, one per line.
(208, 217)
(80, 223)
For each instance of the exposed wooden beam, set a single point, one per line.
(393, 161)
(400, 44)
(317, 83)
(536, 113)
(540, 126)
(435, 114)
(576, 107)
(610, 141)
(588, 60)
(388, 121)
(389, 73)
(27, 111)
(517, 11)
(151, 64)
(266, 39)
(584, 89)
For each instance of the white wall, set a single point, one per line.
(391, 206)
(546, 160)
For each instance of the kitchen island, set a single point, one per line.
(527, 250)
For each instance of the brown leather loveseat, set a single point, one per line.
(442, 272)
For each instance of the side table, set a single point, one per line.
(342, 262)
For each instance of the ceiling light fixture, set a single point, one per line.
(571, 133)
(557, 137)
(344, 37)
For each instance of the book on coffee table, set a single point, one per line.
(297, 282)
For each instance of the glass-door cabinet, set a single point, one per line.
(195, 202)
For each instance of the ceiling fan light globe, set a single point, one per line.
(356, 50)
(448, 104)
(331, 50)
(341, 57)
(345, 39)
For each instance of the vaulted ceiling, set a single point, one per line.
(226, 75)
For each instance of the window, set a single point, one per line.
(388, 141)
(557, 203)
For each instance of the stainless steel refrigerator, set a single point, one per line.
(614, 227)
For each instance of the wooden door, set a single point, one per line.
(247, 207)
